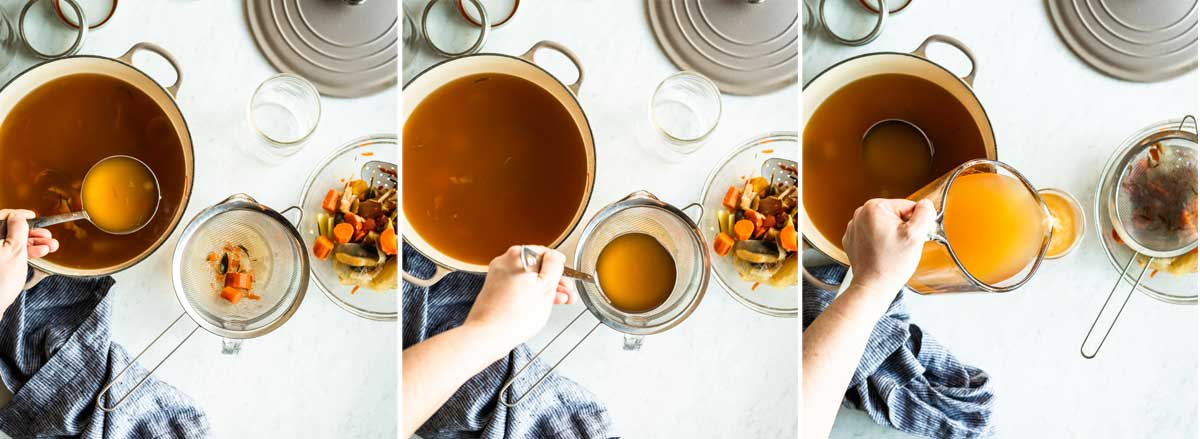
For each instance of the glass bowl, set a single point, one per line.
(744, 162)
(1163, 286)
(343, 164)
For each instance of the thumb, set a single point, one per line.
(922, 221)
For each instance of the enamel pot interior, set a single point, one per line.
(36, 76)
(833, 79)
(430, 80)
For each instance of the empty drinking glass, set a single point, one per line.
(284, 111)
(684, 110)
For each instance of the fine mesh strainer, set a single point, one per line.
(1152, 207)
(639, 212)
(279, 264)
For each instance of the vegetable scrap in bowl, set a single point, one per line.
(357, 235)
(234, 273)
(758, 230)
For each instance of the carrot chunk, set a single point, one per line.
(387, 241)
(722, 244)
(731, 198)
(743, 229)
(343, 232)
(233, 295)
(322, 247)
(331, 201)
(239, 280)
(788, 239)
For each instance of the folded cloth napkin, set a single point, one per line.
(906, 379)
(558, 408)
(56, 354)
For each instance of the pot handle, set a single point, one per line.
(504, 390)
(970, 78)
(546, 44)
(813, 279)
(107, 387)
(438, 274)
(127, 58)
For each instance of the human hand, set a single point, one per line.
(514, 304)
(19, 246)
(884, 241)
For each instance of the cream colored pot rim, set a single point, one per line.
(441, 267)
(61, 270)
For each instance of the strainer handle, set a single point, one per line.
(504, 390)
(105, 390)
(1083, 348)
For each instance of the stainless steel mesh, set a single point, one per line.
(1157, 234)
(676, 233)
(279, 264)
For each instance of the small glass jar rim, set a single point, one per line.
(707, 84)
(304, 84)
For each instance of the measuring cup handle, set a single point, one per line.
(127, 58)
(944, 39)
(1088, 339)
(438, 274)
(104, 391)
(557, 47)
(504, 390)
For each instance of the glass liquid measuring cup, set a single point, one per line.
(639, 212)
(941, 270)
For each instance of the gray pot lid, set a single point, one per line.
(747, 47)
(1143, 41)
(346, 48)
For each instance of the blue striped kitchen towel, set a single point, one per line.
(559, 408)
(56, 353)
(907, 380)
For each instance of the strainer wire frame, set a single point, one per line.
(636, 199)
(235, 202)
(1141, 144)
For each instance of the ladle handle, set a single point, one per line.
(532, 261)
(45, 221)
(504, 390)
(1083, 348)
(105, 390)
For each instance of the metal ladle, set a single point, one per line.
(46, 221)
(884, 134)
(532, 261)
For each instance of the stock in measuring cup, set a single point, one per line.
(992, 233)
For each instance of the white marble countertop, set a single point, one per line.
(325, 373)
(726, 371)
(1057, 121)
